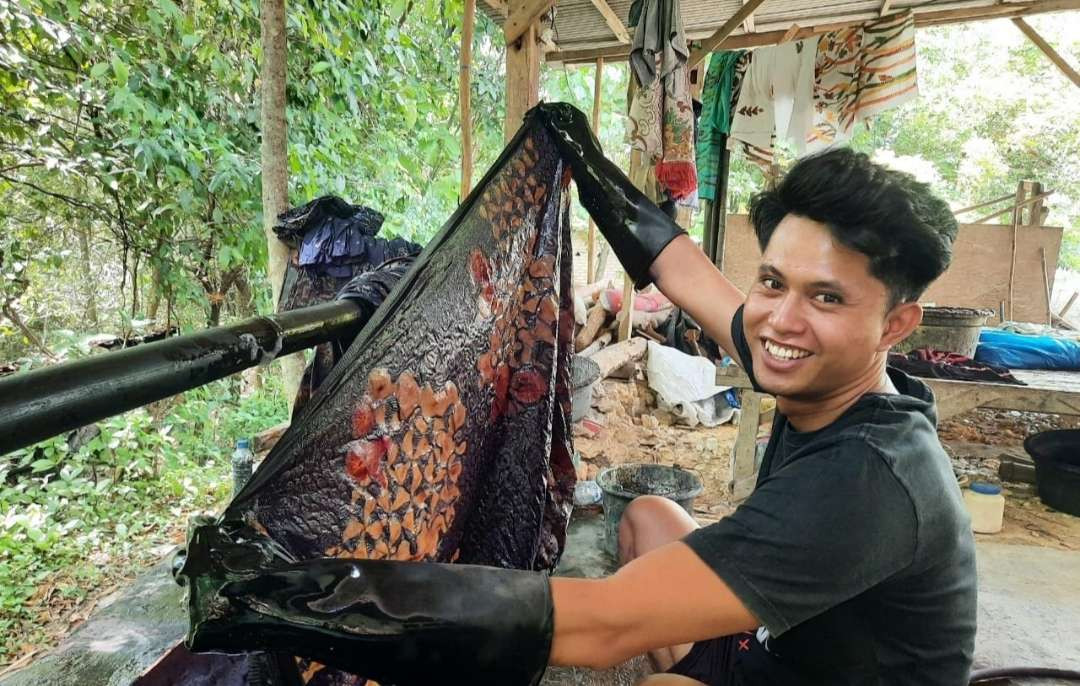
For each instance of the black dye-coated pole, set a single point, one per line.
(40, 403)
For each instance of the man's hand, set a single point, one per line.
(689, 279)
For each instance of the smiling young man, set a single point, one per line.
(853, 560)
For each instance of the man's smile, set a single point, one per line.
(786, 353)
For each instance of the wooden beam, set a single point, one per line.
(613, 21)
(522, 79)
(598, 80)
(498, 6)
(748, 23)
(885, 7)
(468, 22)
(523, 15)
(1047, 50)
(923, 18)
(713, 42)
(790, 34)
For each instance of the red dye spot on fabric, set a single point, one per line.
(363, 458)
(502, 386)
(527, 386)
(479, 267)
(363, 420)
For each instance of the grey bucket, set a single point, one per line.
(623, 483)
(583, 374)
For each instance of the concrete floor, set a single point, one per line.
(1029, 608)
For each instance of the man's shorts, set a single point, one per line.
(712, 662)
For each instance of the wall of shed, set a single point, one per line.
(977, 277)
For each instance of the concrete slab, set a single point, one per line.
(585, 557)
(1029, 605)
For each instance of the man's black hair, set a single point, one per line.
(896, 221)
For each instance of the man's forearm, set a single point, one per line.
(689, 279)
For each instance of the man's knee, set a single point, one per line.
(649, 522)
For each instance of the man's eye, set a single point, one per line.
(770, 283)
(828, 298)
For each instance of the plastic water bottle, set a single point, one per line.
(987, 507)
(243, 461)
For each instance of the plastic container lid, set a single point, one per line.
(985, 488)
(243, 444)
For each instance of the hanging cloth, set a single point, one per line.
(715, 121)
(776, 100)
(860, 72)
(661, 113)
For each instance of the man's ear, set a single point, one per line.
(899, 323)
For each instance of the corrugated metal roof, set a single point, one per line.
(579, 29)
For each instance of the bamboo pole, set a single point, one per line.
(984, 204)
(590, 269)
(468, 23)
(1016, 207)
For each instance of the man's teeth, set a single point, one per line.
(785, 353)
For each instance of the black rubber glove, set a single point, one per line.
(396, 622)
(636, 229)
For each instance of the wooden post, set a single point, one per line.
(522, 79)
(1018, 212)
(1046, 287)
(465, 96)
(626, 326)
(590, 270)
(743, 456)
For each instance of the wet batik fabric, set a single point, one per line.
(860, 72)
(443, 433)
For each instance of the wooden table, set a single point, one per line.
(1051, 392)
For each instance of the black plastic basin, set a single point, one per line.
(1057, 468)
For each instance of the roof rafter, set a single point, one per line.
(923, 18)
(748, 23)
(498, 6)
(714, 41)
(1047, 50)
(614, 23)
(522, 15)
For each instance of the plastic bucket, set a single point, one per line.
(623, 483)
(1057, 468)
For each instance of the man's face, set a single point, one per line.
(815, 316)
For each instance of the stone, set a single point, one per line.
(649, 421)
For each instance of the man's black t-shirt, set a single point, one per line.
(854, 551)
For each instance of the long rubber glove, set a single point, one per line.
(636, 229)
(395, 622)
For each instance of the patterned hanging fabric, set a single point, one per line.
(661, 112)
(715, 121)
(776, 100)
(860, 72)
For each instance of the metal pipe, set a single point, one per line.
(40, 403)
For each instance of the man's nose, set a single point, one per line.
(786, 316)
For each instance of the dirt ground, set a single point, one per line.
(624, 426)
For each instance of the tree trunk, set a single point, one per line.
(88, 280)
(275, 160)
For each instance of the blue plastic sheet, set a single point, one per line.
(1021, 351)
